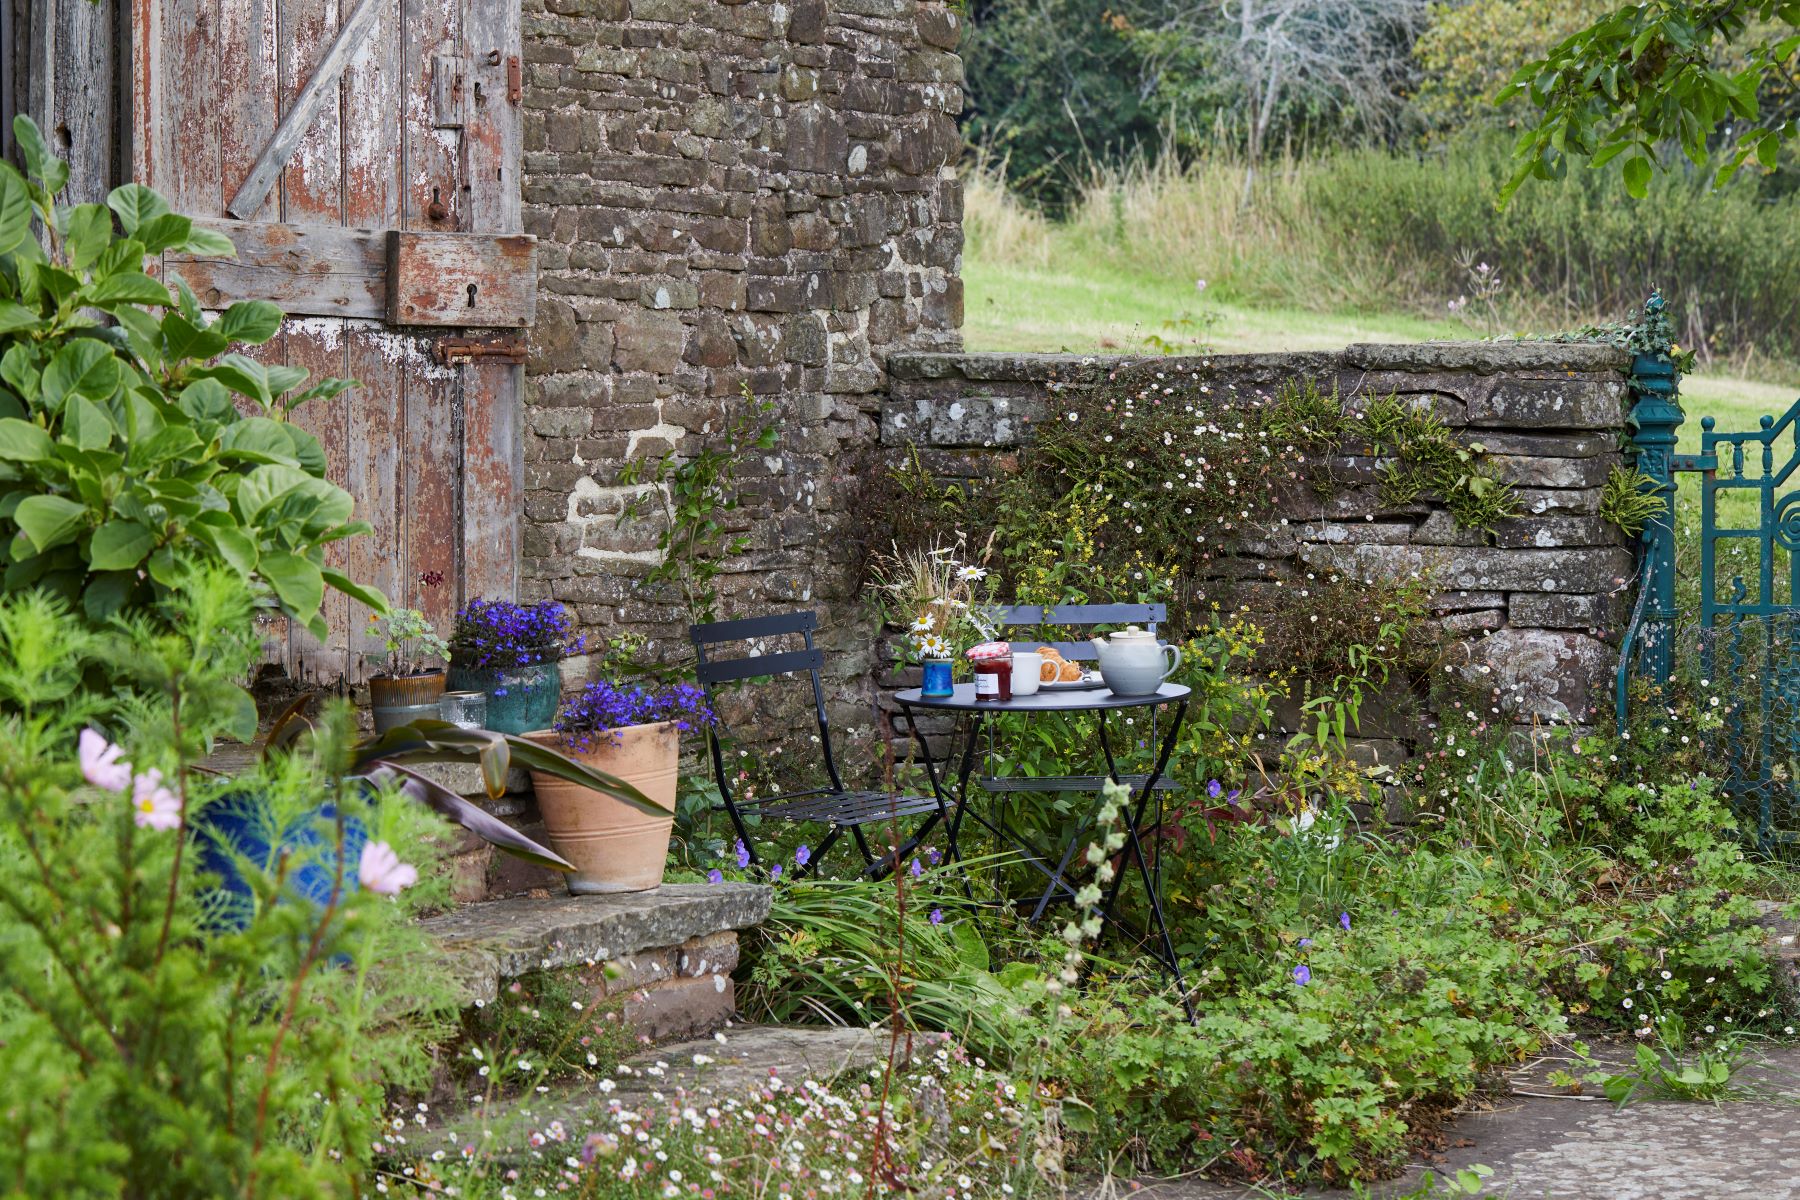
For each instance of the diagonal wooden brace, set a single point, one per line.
(286, 139)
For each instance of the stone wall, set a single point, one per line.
(1534, 608)
(727, 196)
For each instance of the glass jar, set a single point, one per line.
(993, 679)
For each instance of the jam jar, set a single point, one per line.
(993, 672)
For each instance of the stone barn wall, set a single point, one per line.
(728, 195)
(1537, 605)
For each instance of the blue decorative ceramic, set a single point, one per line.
(519, 699)
(242, 821)
(937, 678)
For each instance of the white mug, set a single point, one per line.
(1027, 666)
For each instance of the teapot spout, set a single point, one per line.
(1100, 647)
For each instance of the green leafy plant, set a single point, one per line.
(1426, 459)
(693, 494)
(1630, 500)
(152, 1046)
(1667, 1065)
(411, 643)
(121, 442)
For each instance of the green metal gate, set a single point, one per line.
(1744, 637)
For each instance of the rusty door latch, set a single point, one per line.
(504, 347)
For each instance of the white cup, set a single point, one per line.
(1026, 668)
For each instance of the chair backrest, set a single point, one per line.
(710, 669)
(1014, 615)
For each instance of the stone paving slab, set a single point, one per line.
(502, 939)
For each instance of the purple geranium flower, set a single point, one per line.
(917, 870)
(1306, 943)
(803, 855)
(715, 876)
(775, 872)
(1344, 919)
(743, 854)
(937, 916)
(932, 855)
(1214, 789)
(1302, 974)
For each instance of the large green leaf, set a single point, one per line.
(163, 231)
(266, 485)
(87, 424)
(298, 583)
(184, 340)
(250, 321)
(135, 204)
(14, 317)
(209, 242)
(257, 439)
(21, 441)
(42, 164)
(49, 521)
(228, 541)
(87, 233)
(472, 817)
(119, 546)
(356, 591)
(440, 741)
(84, 367)
(15, 209)
(128, 287)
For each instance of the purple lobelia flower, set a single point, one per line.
(497, 634)
(602, 709)
(1302, 974)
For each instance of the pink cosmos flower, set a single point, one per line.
(101, 764)
(153, 805)
(382, 872)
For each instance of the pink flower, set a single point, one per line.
(101, 764)
(153, 805)
(382, 872)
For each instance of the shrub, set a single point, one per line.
(153, 1047)
(122, 447)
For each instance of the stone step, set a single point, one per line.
(498, 940)
(1782, 941)
(732, 1063)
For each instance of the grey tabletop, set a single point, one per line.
(963, 700)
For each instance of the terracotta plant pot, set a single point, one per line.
(397, 700)
(615, 846)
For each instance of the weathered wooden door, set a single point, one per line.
(364, 157)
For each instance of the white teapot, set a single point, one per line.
(1131, 661)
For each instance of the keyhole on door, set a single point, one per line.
(435, 210)
(479, 100)
(472, 295)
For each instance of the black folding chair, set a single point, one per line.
(835, 806)
(1013, 616)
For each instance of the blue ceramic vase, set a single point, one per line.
(519, 699)
(242, 822)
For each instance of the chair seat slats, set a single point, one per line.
(1068, 783)
(843, 808)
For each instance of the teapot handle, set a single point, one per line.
(1174, 665)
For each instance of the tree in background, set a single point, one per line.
(1714, 78)
(1469, 52)
(1267, 66)
(1057, 87)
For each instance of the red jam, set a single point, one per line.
(993, 679)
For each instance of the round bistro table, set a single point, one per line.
(1102, 702)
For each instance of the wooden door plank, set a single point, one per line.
(319, 94)
(317, 344)
(493, 478)
(373, 92)
(430, 477)
(494, 136)
(376, 435)
(432, 173)
(188, 95)
(249, 96)
(309, 270)
(462, 279)
(149, 148)
(312, 182)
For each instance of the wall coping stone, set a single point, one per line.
(1485, 358)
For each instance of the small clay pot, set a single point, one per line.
(397, 700)
(615, 846)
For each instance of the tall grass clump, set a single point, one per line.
(1366, 229)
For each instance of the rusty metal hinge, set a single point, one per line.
(515, 83)
(505, 347)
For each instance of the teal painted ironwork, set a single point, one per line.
(1747, 637)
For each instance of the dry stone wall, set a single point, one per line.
(1535, 608)
(728, 196)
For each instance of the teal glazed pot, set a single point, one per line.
(519, 699)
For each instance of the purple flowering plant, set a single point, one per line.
(602, 709)
(495, 634)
